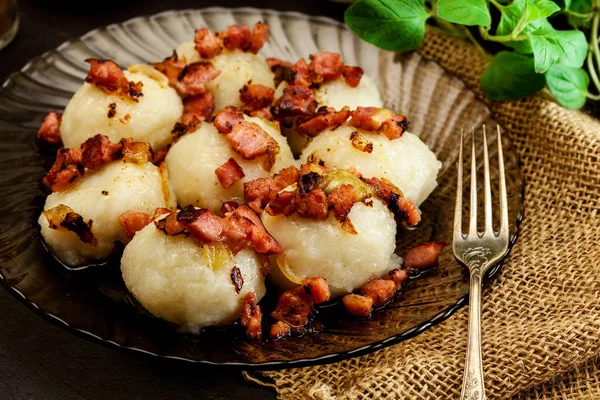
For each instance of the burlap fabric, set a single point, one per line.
(541, 314)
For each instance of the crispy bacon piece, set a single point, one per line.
(195, 76)
(237, 37)
(424, 255)
(65, 170)
(296, 100)
(171, 67)
(273, 62)
(98, 150)
(360, 143)
(132, 222)
(228, 206)
(237, 279)
(391, 125)
(326, 117)
(229, 173)
(159, 156)
(63, 218)
(198, 106)
(251, 317)
(327, 64)
(244, 229)
(295, 306)
(341, 199)
(264, 113)
(49, 132)
(402, 208)
(135, 152)
(247, 138)
(280, 329)
(107, 75)
(260, 35)
(312, 204)
(259, 192)
(380, 290)
(208, 44)
(283, 70)
(357, 305)
(398, 276)
(283, 203)
(257, 96)
(352, 75)
(302, 74)
(170, 224)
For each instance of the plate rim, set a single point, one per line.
(268, 365)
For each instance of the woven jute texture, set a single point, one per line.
(541, 314)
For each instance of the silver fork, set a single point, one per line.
(479, 251)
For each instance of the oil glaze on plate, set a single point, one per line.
(94, 301)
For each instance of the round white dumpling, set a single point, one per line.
(192, 162)
(322, 248)
(102, 196)
(237, 68)
(150, 119)
(407, 162)
(338, 94)
(176, 279)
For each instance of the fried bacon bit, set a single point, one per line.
(312, 204)
(280, 329)
(197, 107)
(208, 44)
(402, 208)
(379, 120)
(260, 35)
(257, 96)
(159, 156)
(341, 199)
(352, 75)
(228, 206)
(357, 305)
(63, 218)
(171, 67)
(325, 117)
(247, 138)
(283, 203)
(327, 64)
(136, 152)
(237, 37)
(380, 290)
(229, 173)
(296, 306)
(241, 228)
(132, 222)
(398, 276)
(98, 150)
(296, 100)
(251, 317)
(273, 63)
(360, 143)
(264, 113)
(66, 169)
(106, 75)
(237, 279)
(49, 132)
(302, 74)
(283, 70)
(259, 192)
(424, 255)
(112, 110)
(195, 76)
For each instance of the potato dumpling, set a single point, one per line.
(323, 248)
(338, 94)
(101, 196)
(151, 119)
(192, 162)
(183, 282)
(407, 162)
(237, 68)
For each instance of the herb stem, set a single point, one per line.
(499, 6)
(586, 16)
(592, 71)
(592, 96)
(473, 40)
(594, 40)
(501, 39)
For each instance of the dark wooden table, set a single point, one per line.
(39, 360)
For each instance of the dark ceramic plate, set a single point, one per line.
(94, 302)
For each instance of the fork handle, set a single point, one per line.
(472, 388)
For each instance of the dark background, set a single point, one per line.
(39, 360)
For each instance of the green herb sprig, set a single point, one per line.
(533, 53)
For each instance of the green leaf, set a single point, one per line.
(396, 25)
(537, 9)
(510, 18)
(465, 12)
(582, 7)
(568, 85)
(510, 76)
(565, 47)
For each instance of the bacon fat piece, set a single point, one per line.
(358, 305)
(132, 222)
(235, 37)
(251, 317)
(424, 255)
(325, 117)
(208, 44)
(257, 96)
(379, 120)
(259, 192)
(239, 229)
(296, 101)
(106, 75)
(403, 209)
(247, 138)
(63, 218)
(295, 306)
(197, 108)
(229, 173)
(49, 132)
